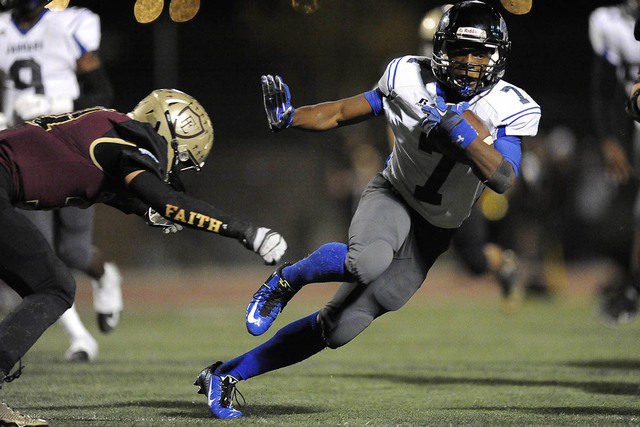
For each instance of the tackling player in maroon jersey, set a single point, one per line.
(128, 161)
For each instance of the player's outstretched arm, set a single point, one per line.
(133, 205)
(187, 211)
(333, 114)
(319, 117)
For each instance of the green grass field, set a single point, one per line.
(450, 357)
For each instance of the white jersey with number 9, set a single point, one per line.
(43, 59)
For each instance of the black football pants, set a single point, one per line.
(30, 267)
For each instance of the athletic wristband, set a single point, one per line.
(463, 134)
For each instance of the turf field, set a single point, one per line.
(450, 357)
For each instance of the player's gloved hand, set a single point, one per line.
(277, 102)
(449, 118)
(60, 105)
(154, 219)
(269, 244)
(4, 123)
(30, 106)
(33, 105)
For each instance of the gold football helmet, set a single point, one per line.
(183, 122)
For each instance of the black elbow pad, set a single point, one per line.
(502, 178)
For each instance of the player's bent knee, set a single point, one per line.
(75, 258)
(367, 262)
(340, 328)
(60, 284)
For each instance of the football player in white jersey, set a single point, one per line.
(51, 66)
(472, 242)
(614, 71)
(407, 214)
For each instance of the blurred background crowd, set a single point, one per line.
(302, 184)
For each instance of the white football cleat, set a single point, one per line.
(107, 298)
(83, 349)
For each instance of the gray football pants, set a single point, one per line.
(391, 249)
(69, 231)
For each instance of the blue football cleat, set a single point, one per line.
(268, 302)
(220, 391)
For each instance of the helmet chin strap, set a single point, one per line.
(174, 179)
(174, 140)
(176, 153)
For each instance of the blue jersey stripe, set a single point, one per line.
(391, 78)
(83, 50)
(523, 115)
(522, 111)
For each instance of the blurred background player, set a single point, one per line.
(131, 162)
(408, 213)
(51, 66)
(614, 71)
(472, 240)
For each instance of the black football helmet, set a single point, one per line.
(633, 8)
(477, 25)
(22, 7)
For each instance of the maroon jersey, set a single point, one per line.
(52, 163)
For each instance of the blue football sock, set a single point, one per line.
(293, 343)
(326, 264)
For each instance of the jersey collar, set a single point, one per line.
(34, 24)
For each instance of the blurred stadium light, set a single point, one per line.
(58, 4)
(147, 11)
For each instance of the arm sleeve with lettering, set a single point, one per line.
(184, 209)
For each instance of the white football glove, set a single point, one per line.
(60, 105)
(269, 244)
(30, 106)
(4, 123)
(157, 220)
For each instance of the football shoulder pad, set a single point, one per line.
(510, 107)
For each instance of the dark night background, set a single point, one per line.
(280, 180)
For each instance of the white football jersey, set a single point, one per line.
(611, 35)
(440, 189)
(43, 59)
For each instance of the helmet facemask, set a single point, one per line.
(470, 28)
(469, 78)
(183, 159)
